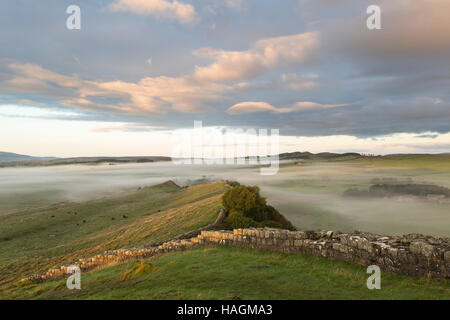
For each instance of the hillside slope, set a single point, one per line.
(34, 240)
(37, 239)
(230, 272)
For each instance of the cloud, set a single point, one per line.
(251, 106)
(308, 105)
(37, 73)
(235, 4)
(409, 28)
(399, 76)
(28, 109)
(438, 101)
(175, 10)
(126, 127)
(296, 82)
(375, 117)
(427, 136)
(149, 95)
(77, 60)
(156, 95)
(265, 55)
(388, 144)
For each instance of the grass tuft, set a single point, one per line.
(139, 270)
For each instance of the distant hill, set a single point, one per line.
(320, 156)
(17, 160)
(8, 159)
(417, 154)
(354, 156)
(9, 156)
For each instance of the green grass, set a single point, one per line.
(408, 161)
(227, 272)
(35, 240)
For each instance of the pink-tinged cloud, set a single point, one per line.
(171, 10)
(409, 28)
(265, 55)
(252, 106)
(296, 82)
(150, 95)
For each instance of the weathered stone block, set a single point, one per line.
(300, 235)
(298, 243)
(420, 247)
(447, 258)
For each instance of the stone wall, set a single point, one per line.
(414, 254)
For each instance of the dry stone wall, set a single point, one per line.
(414, 254)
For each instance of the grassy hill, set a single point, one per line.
(408, 161)
(402, 161)
(228, 272)
(13, 160)
(34, 240)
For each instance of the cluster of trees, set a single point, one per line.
(246, 208)
(420, 190)
(392, 189)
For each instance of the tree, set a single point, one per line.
(236, 219)
(246, 200)
(245, 208)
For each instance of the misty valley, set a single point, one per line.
(346, 195)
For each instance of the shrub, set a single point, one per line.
(234, 183)
(274, 216)
(245, 208)
(141, 269)
(246, 200)
(236, 219)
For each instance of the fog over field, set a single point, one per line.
(310, 195)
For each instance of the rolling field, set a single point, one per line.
(230, 272)
(310, 195)
(34, 240)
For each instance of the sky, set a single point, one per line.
(138, 71)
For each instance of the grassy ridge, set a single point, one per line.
(14, 160)
(227, 272)
(408, 161)
(34, 240)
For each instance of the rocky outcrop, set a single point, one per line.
(414, 254)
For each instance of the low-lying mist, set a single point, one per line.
(310, 195)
